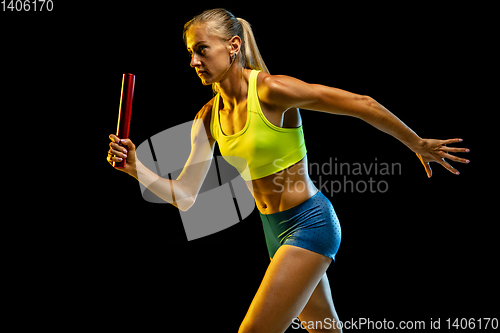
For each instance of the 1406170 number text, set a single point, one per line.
(27, 5)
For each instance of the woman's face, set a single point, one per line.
(210, 56)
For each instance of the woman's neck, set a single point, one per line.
(234, 87)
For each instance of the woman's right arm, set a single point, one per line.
(181, 192)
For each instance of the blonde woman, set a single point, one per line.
(255, 116)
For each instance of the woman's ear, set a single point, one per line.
(235, 44)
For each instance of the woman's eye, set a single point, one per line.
(201, 50)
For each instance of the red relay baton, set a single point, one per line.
(127, 96)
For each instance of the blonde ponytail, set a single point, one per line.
(225, 25)
(251, 58)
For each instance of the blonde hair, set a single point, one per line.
(225, 25)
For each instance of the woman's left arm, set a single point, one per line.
(287, 92)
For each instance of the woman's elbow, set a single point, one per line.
(183, 195)
(185, 204)
(365, 105)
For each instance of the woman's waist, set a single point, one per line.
(280, 192)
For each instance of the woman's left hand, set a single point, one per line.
(432, 150)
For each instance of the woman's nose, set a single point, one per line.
(195, 61)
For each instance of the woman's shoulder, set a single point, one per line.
(281, 90)
(205, 114)
(275, 89)
(206, 110)
(270, 85)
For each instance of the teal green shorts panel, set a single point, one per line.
(312, 225)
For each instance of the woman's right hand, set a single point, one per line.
(122, 149)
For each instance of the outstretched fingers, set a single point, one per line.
(434, 150)
(447, 142)
(453, 157)
(444, 152)
(455, 150)
(448, 167)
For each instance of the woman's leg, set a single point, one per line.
(319, 314)
(289, 282)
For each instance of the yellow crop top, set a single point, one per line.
(260, 148)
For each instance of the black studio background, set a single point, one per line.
(423, 249)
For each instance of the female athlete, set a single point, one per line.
(255, 117)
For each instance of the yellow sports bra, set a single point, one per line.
(260, 148)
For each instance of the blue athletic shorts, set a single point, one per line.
(311, 225)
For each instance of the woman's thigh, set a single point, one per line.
(289, 282)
